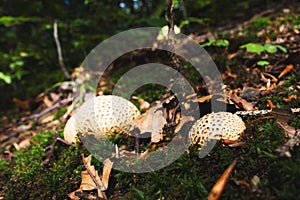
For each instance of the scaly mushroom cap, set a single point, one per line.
(99, 115)
(220, 125)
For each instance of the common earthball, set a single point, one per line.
(98, 115)
(216, 125)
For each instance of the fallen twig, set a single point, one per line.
(55, 106)
(59, 52)
(50, 148)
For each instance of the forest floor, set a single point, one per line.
(259, 61)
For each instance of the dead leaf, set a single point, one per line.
(231, 56)
(295, 110)
(254, 182)
(237, 144)
(73, 195)
(290, 98)
(7, 155)
(23, 128)
(80, 194)
(271, 105)
(286, 70)
(55, 97)
(90, 179)
(242, 182)
(23, 104)
(144, 155)
(289, 130)
(46, 118)
(283, 116)
(152, 122)
(203, 99)
(107, 166)
(266, 77)
(219, 186)
(249, 93)
(284, 150)
(22, 144)
(144, 105)
(47, 102)
(242, 102)
(268, 40)
(183, 120)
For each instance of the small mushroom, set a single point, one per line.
(220, 125)
(98, 115)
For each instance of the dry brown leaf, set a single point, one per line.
(23, 104)
(283, 116)
(284, 150)
(47, 101)
(107, 166)
(219, 186)
(290, 98)
(254, 182)
(23, 128)
(46, 118)
(80, 194)
(73, 195)
(249, 93)
(152, 122)
(242, 102)
(203, 99)
(242, 182)
(144, 155)
(289, 130)
(183, 120)
(90, 179)
(144, 105)
(237, 144)
(270, 104)
(231, 56)
(266, 77)
(24, 143)
(55, 97)
(286, 70)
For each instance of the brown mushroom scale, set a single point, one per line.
(220, 125)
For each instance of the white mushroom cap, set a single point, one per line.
(220, 125)
(98, 115)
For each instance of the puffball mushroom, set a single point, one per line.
(219, 125)
(98, 115)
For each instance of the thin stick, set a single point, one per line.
(55, 106)
(59, 53)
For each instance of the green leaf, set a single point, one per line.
(5, 78)
(270, 48)
(283, 49)
(216, 43)
(11, 21)
(221, 43)
(207, 44)
(263, 63)
(253, 48)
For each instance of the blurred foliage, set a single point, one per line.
(27, 46)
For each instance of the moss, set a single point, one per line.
(29, 178)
